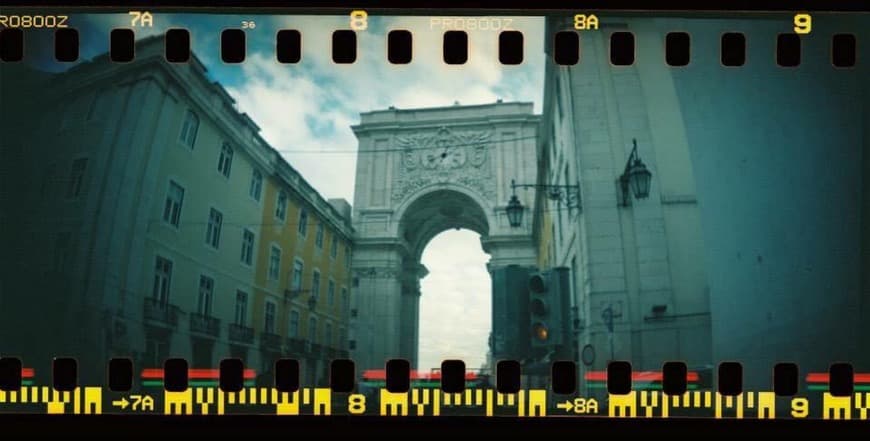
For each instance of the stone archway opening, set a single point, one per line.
(446, 226)
(437, 211)
(435, 215)
(455, 302)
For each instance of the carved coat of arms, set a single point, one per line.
(442, 156)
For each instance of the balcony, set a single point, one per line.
(160, 313)
(335, 353)
(270, 341)
(292, 294)
(240, 334)
(204, 324)
(316, 349)
(296, 345)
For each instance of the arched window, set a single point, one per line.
(189, 129)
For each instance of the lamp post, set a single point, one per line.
(569, 194)
(635, 178)
(607, 315)
(514, 209)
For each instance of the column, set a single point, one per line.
(378, 302)
(410, 317)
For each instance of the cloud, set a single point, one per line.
(455, 305)
(288, 108)
(296, 105)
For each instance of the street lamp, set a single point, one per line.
(636, 177)
(515, 211)
(569, 194)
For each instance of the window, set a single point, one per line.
(172, 207)
(312, 329)
(269, 319)
(342, 338)
(552, 244)
(61, 251)
(318, 238)
(293, 329)
(247, 246)
(256, 185)
(201, 353)
(303, 222)
(274, 263)
(68, 113)
(96, 107)
(327, 334)
(213, 233)
(189, 129)
(565, 172)
(345, 302)
(330, 292)
(206, 289)
(156, 351)
(76, 177)
(333, 250)
(281, 205)
(162, 281)
(315, 284)
(225, 161)
(49, 179)
(241, 308)
(565, 178)
(297, 276)
(553, 143)
(573, 278)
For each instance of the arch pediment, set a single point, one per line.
(444, 155)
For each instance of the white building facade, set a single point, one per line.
(734, 255)
(420, 172)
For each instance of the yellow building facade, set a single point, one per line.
(302, 286)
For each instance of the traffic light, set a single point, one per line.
(510, 317)
(549, 306)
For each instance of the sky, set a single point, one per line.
(305, 111)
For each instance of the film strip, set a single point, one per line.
(177, 389)
(399, 43)
(673, 213)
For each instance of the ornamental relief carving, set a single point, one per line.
(443, 156)
(376, 272)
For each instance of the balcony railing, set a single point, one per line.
(316, 349)
(270, 341)
(335, 353)
(296, 345)
(161, 313)
(240, 333)
(205, 324)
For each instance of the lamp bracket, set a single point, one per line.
(563, 194)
